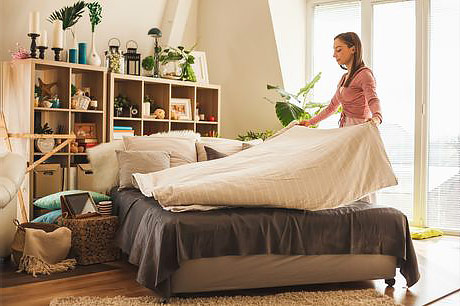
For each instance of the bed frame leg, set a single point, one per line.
(390, 282)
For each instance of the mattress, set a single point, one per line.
(159, 242)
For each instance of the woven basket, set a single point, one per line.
(93, 238)
(17, 247)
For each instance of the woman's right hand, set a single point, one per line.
(305, 123)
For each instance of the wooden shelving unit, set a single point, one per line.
(207, 96)
(19, 80)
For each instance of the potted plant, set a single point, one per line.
(69, 15)
(251, 135)
(148, 64)
(177, 64)
(296, 106)
(95, 17)
(119, 104)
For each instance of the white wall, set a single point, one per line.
(125, 20)
(290, 27)
(242, 57)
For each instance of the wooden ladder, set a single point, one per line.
(69, 138)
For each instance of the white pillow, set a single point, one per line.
(181, 149)
(104, 162)
(179, 133)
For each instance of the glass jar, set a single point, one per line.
(114, 59)
(171, 70)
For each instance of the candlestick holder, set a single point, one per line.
(57, 52)
(33, 44)
(41, 50)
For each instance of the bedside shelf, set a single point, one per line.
(86, 111)
(206, 122)
(49, 109)
(127, 118)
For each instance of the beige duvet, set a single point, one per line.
(301, 168)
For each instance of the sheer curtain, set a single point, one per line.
(328, 21)
(394, 70)
(443, 200)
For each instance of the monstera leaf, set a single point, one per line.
(286, 112)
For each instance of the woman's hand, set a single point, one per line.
(376, 120)
(305, 123)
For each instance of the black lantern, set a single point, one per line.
(156, 33)
(132, 60)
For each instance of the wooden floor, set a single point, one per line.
(439, 263)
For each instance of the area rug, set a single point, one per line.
(348, 297)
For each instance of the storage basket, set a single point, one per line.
(17, 247)
(93, 238)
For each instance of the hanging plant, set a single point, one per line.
(95, 14)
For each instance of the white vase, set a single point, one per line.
(94, 58)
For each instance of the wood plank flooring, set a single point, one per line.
(439, 263)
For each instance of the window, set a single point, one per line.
(394, 69)
(329, 21)
(443, 199)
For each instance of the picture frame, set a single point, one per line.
(78, 205)
(85, 130)
(182, 107)
(200, 67)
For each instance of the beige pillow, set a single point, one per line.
(130, 162)
(104, 163)
(181, 150)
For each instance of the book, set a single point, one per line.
(87, 140)
(122, 128)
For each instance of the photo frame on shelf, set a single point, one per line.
(85, 130)
(200, 67)
(182, 108)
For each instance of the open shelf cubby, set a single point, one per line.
(161, 93)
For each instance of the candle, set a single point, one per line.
(34, 22)
(43, 39)
(58, 35)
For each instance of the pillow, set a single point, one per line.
(130, 162)
(51, 217)
(181, 149)
(223, 145)
(213, 154)
(104, 163)
(53, 201)
(178, 133)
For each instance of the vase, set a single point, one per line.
(94, 58)
(171, 70)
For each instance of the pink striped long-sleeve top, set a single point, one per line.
(359, 100)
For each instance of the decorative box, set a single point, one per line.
(93, 238)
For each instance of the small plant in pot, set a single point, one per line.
(176, 63)
(148, 64)
(120, 103)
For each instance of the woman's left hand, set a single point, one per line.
(376, 120)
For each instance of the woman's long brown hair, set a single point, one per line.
(351, 39)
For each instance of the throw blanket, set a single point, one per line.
(300, 168)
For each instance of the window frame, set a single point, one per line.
(422, 85)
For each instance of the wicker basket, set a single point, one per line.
(93, 238)
(17, 247)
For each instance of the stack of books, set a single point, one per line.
(87, 142)
(120, 131)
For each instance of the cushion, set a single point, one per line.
(50, 217)
(130, 162)
(213, 154)
(418, 233)
(223, 145)
(53, 201)
(104, 163)
(181, 149)
(179, 133)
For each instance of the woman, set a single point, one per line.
(355, 91)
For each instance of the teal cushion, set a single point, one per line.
(53, 201)
(50, 217)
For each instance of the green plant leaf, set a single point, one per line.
(286, 112)
(69, 15)
(304, 90)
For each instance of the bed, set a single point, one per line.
(238, 248)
